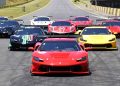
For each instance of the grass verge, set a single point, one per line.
(23, 9)
(11, 3)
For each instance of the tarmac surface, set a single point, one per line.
(15, 65)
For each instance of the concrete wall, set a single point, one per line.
(2, 3)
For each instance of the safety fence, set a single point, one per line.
(106, 10)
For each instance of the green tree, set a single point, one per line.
(76, 0)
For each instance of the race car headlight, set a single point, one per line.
(51, 29)
(37, 59)
(115, 33)
(72, 28)
(113, 39)
(82, 39)
(81, 59)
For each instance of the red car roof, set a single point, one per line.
(60, 39)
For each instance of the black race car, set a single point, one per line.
(26, 37)
(8, 27)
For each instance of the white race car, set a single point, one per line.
(41, 20)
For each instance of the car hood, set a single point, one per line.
(65, 57)
(98, 38)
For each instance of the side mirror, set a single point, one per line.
(36, 48)
(37, 45)
(46, 32)
(21, 24)
(110, 33)
(49, 24)
(82, 46)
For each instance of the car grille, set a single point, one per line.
(21, 45)
(44, 68)
(98, 45)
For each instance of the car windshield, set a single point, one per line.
(111, 23)
(81, 19)
(61, 23)
(35, 31)
(95, 31)
(42, 19)
(59, 46)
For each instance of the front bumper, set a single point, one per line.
(80, 68)
(90, 46)
(5, 34)
(19, 45)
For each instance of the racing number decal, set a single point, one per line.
(61, 29)
(27, 38)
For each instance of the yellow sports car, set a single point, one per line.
(97, 37)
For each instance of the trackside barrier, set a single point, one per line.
(118, 13)
(106, 10)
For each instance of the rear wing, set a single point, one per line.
(63, 36)
(81, 16)
(31, 26)
(37, 26)
(41, 16)
(72, 17)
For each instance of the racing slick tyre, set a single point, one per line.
(32, 74)
(11, 48)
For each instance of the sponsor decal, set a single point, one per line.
(27, 38)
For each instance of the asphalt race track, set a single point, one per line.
(14, 65)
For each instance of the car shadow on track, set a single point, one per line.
(103, 50)
(63, 75)
(22, 50)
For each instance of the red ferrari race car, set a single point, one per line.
(59, 55)
(113, 26)
(81, 21)
(61, 27)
